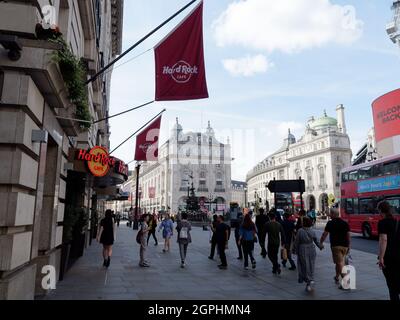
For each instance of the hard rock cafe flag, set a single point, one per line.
(180, 68)
(147, 142)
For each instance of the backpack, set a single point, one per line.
(139, 236)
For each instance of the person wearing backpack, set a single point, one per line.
(183, 229)
(142, 237)
(389, 249)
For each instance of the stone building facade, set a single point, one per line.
(317, 157)
(37, 135)
(186, 158)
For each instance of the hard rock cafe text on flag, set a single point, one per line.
(147, 142)
(180, 68)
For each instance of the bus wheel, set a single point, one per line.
(366, 231)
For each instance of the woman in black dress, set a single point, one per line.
(106, 236)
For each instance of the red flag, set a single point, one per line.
(180, 69)
(147, 142)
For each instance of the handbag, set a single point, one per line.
(139, 236)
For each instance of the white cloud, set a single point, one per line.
(286, 25)
(247, 66)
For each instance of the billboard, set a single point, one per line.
(386, 113)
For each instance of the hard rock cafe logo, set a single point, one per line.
(98, 160)
(181, 71)
(146, 147)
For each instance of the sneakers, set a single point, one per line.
(222, 267)
(246, 268)
(308, 288)
(239, 258)
(292, 268)
(106, 262)
(183, 265)
(144, 265)
(253, 264)
(211, 258)
(163, 250)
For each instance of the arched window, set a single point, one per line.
(322, 176)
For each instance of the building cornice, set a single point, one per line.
(117, 22)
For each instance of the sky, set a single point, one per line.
(270, 66)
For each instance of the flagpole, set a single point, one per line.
(137, 131)
(93, 78)
(137, 190)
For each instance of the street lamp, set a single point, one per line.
(245, 197)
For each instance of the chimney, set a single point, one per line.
(340, 119)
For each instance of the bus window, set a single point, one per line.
(345, 177)
(395, 204)
(349, 206)
(377, 170)
(365, 173)
(355, 206)
(353, 175)
(367, 206)
(391, 168)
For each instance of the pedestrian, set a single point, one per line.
(152, 229)
(213, 238)
(168, 231)
(184, 238)
(304, 247)
(299, 223)
(239, 246)
(143, 230)
(118, 218)
(248, 235)
(222, 237)
(389, 249)
(289, 229)
(312, 214)
(276, 237)
(106, 236)
(261, 221)
(339, 235)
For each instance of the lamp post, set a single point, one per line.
(210, 200)
(245, 197)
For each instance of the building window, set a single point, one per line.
(322, 179)
(309, 178)
(202, 180)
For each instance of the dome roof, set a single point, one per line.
(324, 121)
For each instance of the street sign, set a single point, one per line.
(287, 186)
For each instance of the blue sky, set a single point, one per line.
(303, 56)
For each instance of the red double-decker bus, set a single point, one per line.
(363, 187)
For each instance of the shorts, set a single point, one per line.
(338, 254)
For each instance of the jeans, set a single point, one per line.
(261, 239)
(289, 256)
(248, 247)
(273, 251)
(221, 249)
(183, 250)
(143, 246)
(392, 275)
(152, 233)
(240, 249)
(213, 245)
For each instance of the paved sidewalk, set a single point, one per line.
(165, 280)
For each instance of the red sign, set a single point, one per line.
(180, 68)
(147, 142)
(386, 112)
(98, 160)
(152, 192)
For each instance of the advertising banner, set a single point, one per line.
(386, 113)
